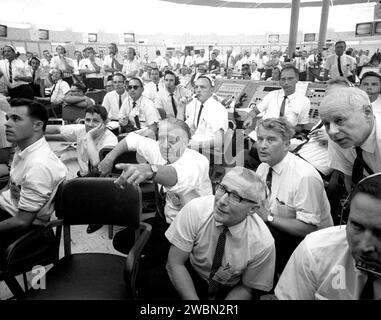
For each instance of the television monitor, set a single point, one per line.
(129, 37)
(273, 38)
(377, 28)
(309, 37)
(43, 34)
(3, 31)
(364, 29)
(92, 37)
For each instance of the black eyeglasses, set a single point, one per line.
(233, 197)
(133, 87)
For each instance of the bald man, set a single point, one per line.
(223, 228)
(354, 147)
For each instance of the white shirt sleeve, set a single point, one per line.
(71, 132)
(298, 281)
(150, 113)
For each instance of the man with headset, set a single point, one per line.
(206, 117)
(340, 263)
(173, 98)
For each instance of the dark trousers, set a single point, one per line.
(23, 91)
(8, 237)
(285, 244)
(69, 80)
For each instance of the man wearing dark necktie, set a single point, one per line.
(221, 265)
(354, 147)
(340, 263)
(297, 201)
(340, 65)
(285, 102)
(207, 118)
(138, 109)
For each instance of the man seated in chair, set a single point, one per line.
(137, 111)
(76, 98)
(221, 249)
(35, 172)
(182, 173)
(59, 90)
(206, 117)
(91, 137)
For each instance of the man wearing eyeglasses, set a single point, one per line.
(137, 110)
(342, 262)
(298, 204)
(220, 248)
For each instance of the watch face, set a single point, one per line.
(270, 218)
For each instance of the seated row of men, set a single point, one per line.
(297, 204)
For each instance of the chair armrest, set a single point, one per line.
(37, 246)
(133, 258)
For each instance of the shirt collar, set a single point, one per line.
(291, 96)
(278, 168)
(28, 150)
(236, 230)
(369, 144)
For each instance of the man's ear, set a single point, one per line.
(38, 124)
(368, 110)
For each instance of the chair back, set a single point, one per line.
(126, 157)
(98, 201)
(72, 113)
(96, 95)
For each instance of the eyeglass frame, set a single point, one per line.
(129, 87)
(221, 186)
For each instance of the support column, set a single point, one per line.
(323, 24)
(293, 27)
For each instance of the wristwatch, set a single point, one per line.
(154, 169)
(270, 217)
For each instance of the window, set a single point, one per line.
(3, 31)
(92, 37)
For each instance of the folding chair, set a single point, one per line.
(37, 246)
(148, 190)
(95, 276)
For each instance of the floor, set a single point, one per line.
(81, 242)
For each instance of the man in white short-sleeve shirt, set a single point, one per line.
(35, 172)
(137, 110)
(114, 99)
(285, 102)
(206, 117)
(247, 254)
(342, 262)
(353, 131)
(111, 63)
(298, 203)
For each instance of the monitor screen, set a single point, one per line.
(3, 30)
(273, 38)
(364, 29)
(129, 37)
(92, 37)
(43, 34)
(309, 37)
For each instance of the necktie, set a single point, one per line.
(10, 72)
(227, 62)
(112, 63)
(120, 101)
(217, 261)
(339, 66)
(157, 87)
(199, 114)
(367, 291)
(33, 76)
(136, 118)
(358, 166)
(283, 107)
(173, 104)
(269, 178)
